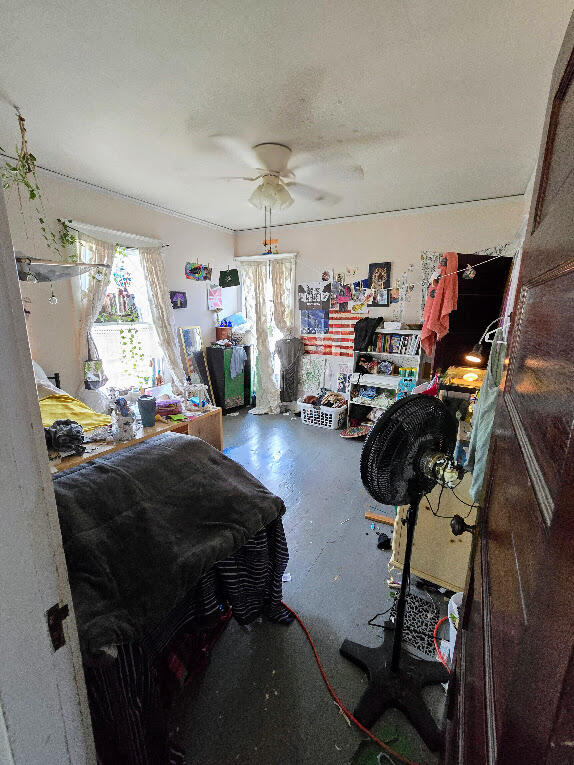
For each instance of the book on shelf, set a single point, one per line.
(397, 343)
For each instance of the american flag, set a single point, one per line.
(339, 341)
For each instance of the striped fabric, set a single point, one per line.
(128, 697)
(339, 341)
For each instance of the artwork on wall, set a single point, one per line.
(214, 298)
(197, 272)
(314, 296)
(344, 378)
(380, 283)
(229, 278)
(327, 275)
(178, 299)
(339, 338)
(314, 322)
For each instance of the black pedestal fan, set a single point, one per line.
(408, 450)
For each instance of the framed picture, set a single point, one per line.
(178, 299)
(380, 283)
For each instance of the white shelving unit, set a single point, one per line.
(383, 382)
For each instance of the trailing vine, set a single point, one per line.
(132, 353)
(22, 176)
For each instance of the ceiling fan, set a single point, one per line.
(277, 185)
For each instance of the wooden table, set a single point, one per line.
(438, 556)
(207, 426)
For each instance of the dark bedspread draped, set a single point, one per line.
(164, 542)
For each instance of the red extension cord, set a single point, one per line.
(339, 703)
(438, 653)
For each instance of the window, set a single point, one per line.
(123, 332)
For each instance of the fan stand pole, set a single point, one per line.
(411, 522)
(396, 681)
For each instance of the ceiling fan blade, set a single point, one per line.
(312, 194)
(237, 148)
(337, 173)
(237, 178)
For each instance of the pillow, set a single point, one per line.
(95, 399)
(39, 374)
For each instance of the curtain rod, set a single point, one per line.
(119, 244)
(269, 256)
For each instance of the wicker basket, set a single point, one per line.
(323, 416)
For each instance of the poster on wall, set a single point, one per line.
(380, 283)
(314, 296)
(197, 272)
(178, 299)
(344, 378)
(214, 298)
(314, 322)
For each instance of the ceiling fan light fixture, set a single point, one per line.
(271, 193)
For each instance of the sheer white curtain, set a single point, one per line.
(162, 312)
(268, 293)
(283, 285)
(254, 278)
(93, 291)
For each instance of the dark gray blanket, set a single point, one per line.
(141, 526)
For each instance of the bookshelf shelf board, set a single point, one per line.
(415, 356)
(379, 381)
(398, 331)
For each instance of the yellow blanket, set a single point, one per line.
(60, 406)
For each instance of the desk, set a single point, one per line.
(207, 426)
(438, 556)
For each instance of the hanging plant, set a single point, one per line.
(132, 353)
(67, 238)
(22, 176)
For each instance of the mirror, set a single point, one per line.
(193, 350)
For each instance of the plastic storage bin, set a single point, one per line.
(323, 416)
(454, 605)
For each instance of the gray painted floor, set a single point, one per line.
(262, 700)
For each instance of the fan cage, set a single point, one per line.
(391, 468)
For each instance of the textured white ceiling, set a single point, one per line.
(439, 100)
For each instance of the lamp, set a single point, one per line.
(271, 193)
(475, 356)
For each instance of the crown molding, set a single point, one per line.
(230, 230)
(391, 213)
(128, 198)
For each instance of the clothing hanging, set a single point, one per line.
(441, 299)
(289, 350)
(483, 416)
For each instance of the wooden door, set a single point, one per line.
(512, 695)
(44, 716)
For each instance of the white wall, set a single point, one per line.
(396, 237)
(52, 328)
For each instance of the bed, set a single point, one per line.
(164, 542)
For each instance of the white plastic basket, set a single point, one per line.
(323, 416)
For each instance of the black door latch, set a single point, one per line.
(56, 615)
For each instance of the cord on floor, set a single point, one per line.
(438, 653)
(338, 702)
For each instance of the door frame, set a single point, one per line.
(44, 713)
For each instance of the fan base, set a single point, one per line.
(401, 689)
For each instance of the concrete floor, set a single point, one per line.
(262, 700)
